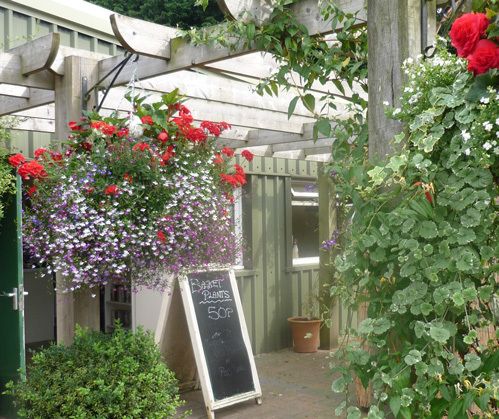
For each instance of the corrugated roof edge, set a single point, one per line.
(77, 15)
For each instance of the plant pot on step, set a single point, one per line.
(305, 333)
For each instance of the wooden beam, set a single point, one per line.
(260, 137)
(11, 69)
(142, 37)
(57, 66)
(247, 10)
(37, 97)
(184, 55)
(309, 144)
(37, 55)
(14, 91)
(35, 124)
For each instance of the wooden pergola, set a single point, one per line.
(48, 84)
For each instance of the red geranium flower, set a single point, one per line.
(74, 126)
(161, 236)
(218, 159)
(212, 127)
(123, 132)
(39, 152)
(31, 190)
(163, 136)
(16, 160)
(141, 147)
(108, 129)
(484, 57)
(56, 156)
(466, 31)
(111, 190)
(147, 119)
(86, 146)
(248, 155)
(31, 170)
(196, 135)
(167, 155)
(229, 152)
(128, 178)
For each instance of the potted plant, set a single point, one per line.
(305, 329)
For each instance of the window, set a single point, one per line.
(305, 222)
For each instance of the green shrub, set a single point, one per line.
(99, 376)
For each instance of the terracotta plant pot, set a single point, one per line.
(305, 333)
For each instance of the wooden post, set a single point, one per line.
(394, 34)
(78, 307)
(327, 225)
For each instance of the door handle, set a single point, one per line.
(17, 296)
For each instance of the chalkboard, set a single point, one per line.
(216, 324)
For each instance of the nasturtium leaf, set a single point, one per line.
(365, 327)
(428, 230)
(455, 366)
(353, 413)
(408, 224)
(466, 261)
(439, 334)
(339, 385)
(469, 294)
(458, 299)
(375, 413)
(426, 309)
(378, 255)
(358, 357)
(470, 337)
(339, 410)
(428, 249)
(381, 325)
(413, 357)
(419, 329)
(485, 292)
(440, 294)
(471, 218)
(486, 252)
(465, 235)
(472, 362)
(407, 269)
(421, 368)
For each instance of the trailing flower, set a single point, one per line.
(139, 196)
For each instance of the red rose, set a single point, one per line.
(39, 152)
(16, 160)
(111, 190)
(32, 170)
(248, 155)
(466, 31)
(484, 58)
(163, 136)
(161, 236)
(147, 119)
(229, 152)
(141, 147)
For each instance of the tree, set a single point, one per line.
(182, 13)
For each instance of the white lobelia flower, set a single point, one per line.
(487, 126)
(135, 126)
(487, 146)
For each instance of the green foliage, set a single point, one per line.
(7, 179)
(99, 376)
(182, 13)
(422, 248)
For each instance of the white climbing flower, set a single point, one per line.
(484, 100)
(467, 151)
(466, 135)
(487, 146)
(487, 126)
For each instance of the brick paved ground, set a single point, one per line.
(293, 385)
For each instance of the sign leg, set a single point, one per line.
(210, 413)
(258, 400)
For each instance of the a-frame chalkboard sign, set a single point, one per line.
(220, 339)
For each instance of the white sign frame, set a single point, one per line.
(209, 400)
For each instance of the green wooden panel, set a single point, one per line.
(12, 356)
(20, 29)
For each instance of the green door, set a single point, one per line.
(12, 355)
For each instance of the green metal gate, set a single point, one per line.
(12, 352)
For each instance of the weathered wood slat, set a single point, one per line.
(37, 55)
(37, 97)
(11, 72)
(142, 37)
